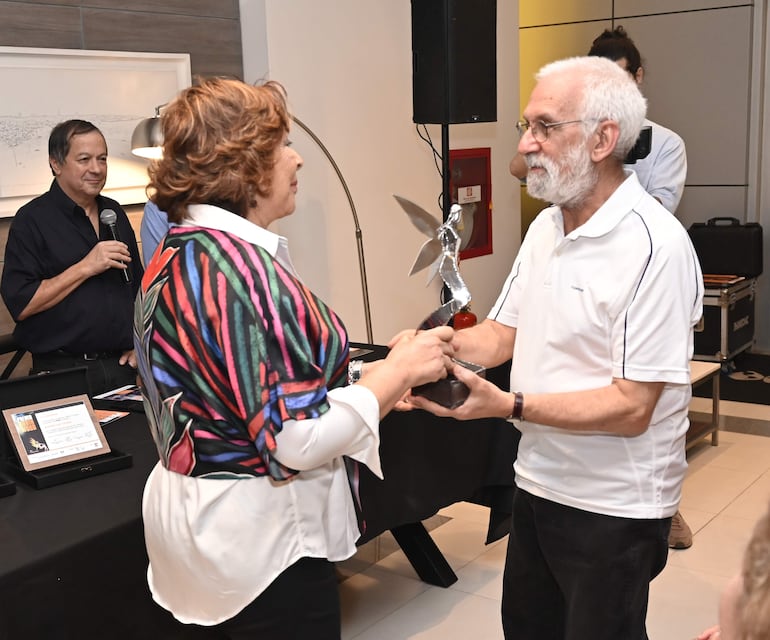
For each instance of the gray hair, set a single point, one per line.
(609, 93)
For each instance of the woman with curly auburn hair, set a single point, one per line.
(246, 382)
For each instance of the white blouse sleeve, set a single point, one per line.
(350, 427)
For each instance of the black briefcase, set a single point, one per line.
(725, 246)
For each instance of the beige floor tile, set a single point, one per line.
(743, 453)
(704, 453)
(695, 518)
(396, 563)
(484, 575)
(717, 548)
(745, 410)
(712, 488)
(753, 502)
(460, 541)
(467, 511)
(370, 596)
(683, 603)
(440, 614)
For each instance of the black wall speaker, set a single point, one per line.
(454, 61)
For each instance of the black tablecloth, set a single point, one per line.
(72, 557)
(430, 463)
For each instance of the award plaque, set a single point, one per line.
(51, 433)
(52, 430)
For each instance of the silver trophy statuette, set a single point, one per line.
(441, 254)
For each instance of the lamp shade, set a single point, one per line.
(147, 139)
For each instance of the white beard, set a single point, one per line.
(567, 183)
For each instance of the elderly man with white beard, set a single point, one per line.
(597, 314)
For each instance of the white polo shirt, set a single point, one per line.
(617, 297)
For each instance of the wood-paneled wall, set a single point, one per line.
(209, 30)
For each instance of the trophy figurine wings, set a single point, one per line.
(441, 254)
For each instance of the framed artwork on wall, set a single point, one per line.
(471, 187)
(112, 89)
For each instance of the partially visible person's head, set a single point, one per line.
(601, 112)
(615, 45)
(223, 145)
(754, 601)
(77, 155)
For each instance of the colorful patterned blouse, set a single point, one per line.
(230, 344)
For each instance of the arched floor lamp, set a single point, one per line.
(147, 142)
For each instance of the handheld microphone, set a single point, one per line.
(110, 219)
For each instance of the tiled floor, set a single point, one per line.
(726, 490)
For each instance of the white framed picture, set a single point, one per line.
(112, 89)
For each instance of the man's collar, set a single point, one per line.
(67, 204)
(611, 212)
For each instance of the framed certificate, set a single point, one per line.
(51, 433)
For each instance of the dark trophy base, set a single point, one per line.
(449, 392)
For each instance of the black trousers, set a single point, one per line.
(577, 575)
(302, 602)
(103, 373)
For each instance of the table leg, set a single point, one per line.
(715, 410)
(424, 555)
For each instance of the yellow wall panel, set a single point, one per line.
(540, 45)
(647, 7)
(541, 12)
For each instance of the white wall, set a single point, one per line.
(253, 39)
(347, 68)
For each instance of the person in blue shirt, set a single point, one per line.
(154, 227)
(663, 171)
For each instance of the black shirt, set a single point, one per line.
(47, 236)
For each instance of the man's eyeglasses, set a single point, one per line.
(540, 129)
